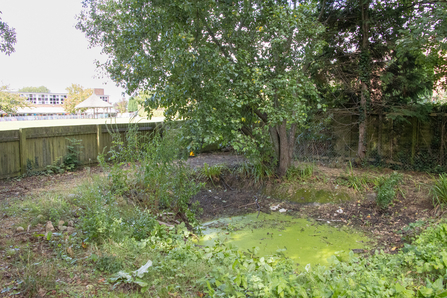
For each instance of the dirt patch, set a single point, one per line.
(216, 158)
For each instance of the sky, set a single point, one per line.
(50, 51)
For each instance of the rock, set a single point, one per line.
(70, 223)
(70, 230)
(339, 211)
(62, 228)
(282, 210)
(49, 227)
(20, 229)
(273, 208)
(60, 223)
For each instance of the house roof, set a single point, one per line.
(93, 102)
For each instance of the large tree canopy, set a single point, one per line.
(41, 89)
(234, 70)
(76, 95)
(7, 38)
(379, 55)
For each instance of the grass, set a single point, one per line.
(439, 191)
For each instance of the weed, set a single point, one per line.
(110, 264)
(303, 173)
(70, 161)
(211, 173)
(386, 189)
(258, 171)
(357, 182)
(439, 191)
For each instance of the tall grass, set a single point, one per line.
(439, 191)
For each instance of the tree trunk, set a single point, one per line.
(284, 145)
(361, 152)
(364, 78)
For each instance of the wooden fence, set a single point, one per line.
(35, 148)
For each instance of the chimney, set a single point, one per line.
(98, 91)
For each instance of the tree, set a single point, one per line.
(41, 89)
(10, 102)
(121, 106)
(76, 95)
(235, 71)
(362, 66)
(7, 38)
(133, 105)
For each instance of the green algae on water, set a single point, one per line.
(306, 241)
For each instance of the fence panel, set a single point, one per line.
(35, 148)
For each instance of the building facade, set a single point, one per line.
(57, 98)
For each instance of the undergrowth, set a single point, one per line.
(439, 191)
(118, 237)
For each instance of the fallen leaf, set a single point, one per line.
(393, 249)
(70, 252)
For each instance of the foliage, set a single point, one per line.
(70, 161)
(235, 72)
(358, 182)
(10, 102)
(425, 33)
(76, 95)
(386, 275)
(109, 264)
(133, 277)
(439, 191)
(211, 173)
(386, 189)
(258, 171)
(7, 38)
(364, 69)
(161, 180)
(41, 89)
(121, 106)
(304, 172)
(133, 105)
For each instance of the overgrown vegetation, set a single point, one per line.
(300, 172)
(118, 239)
(70, 161)
(439, 191)
(386, 189)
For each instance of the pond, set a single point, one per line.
(306, 241)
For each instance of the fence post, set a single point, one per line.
(99, 138)
(22, 150)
